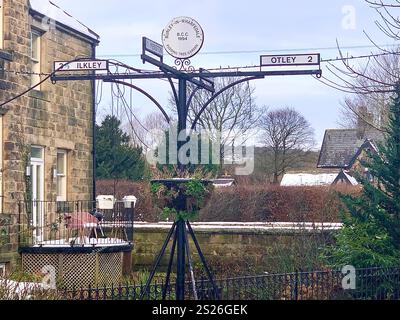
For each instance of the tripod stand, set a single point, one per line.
(180, 243)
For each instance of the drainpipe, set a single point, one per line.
(94, 129)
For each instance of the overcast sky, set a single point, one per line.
(232, 27)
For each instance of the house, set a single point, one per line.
(46, 134)
(339, 158)
(342, 149)
(46, 154)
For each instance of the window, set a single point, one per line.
(36, 172)
(35, 57)
(61, 175)
(368, 175)
(3, 269)
(37, 153)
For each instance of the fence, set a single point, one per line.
(69, 223)
(370, 284)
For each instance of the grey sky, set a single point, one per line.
(252, 25)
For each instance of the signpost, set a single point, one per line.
(182, 39)
(83, 65)
(306, 59)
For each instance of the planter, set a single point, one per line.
(181, 198)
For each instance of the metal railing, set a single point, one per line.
(370, 284)
(73, 223)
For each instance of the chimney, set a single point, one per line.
(363, 122)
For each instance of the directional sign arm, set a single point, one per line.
(152, 47)
(160, 75)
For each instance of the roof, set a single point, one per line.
(344, 176)
(52, 11)
(307, 179)
(367, 145)
(223, 182)
(341, 145)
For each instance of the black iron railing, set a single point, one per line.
(370, 284)
(74, 223)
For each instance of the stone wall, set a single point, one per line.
(246, 247)
(58, 116)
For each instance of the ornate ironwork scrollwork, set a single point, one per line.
(184, 65)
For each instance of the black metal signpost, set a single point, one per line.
(203, 80)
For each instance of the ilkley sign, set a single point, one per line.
(183, 37)
(81, 65)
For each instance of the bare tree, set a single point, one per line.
(286, 132)
(144, 132)
(389, 24)
(370, 78)
(372, 108)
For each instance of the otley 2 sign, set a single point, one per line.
(81, 65)
(290, 60)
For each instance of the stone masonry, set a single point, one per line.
(58, 116)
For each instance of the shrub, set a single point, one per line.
(246, 203)
(274, 203)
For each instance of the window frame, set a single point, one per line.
(41, 148)
(36, 66)
(3, 269)
(63, 176)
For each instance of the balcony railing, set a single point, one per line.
(74, 224)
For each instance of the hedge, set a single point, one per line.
(245, 203)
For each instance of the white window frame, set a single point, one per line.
(41, 159)
(37, 206)
(63, 176)
(36, 61)
(3, 270)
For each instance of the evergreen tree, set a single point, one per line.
(116, 158)
(371, 232)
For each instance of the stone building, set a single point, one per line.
(46, 135)
(343, 149)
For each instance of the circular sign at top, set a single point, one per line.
(183, 37)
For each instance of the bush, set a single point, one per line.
(245, 203)
(274, 203)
